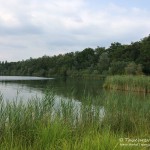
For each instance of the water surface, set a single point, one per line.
(19, 88)
(77, 91)
(27, 87)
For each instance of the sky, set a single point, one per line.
(34, 28)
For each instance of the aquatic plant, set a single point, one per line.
(37, 124)
(128, 83)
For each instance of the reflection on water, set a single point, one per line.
(75, 93)
(16, 78)
(17, 87)
(11, 91)
(67, 92)
(76, 108)
(29, 87)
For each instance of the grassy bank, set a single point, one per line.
(128, 83)
(39, 125)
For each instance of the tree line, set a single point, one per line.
(119, 58)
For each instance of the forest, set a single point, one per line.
(117, 59)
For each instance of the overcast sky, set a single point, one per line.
(33, 28)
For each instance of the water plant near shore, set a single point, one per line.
(128, 83)
(37, 124)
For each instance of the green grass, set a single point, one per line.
(128, 83)
(38, 125)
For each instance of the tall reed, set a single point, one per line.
(129, 83)
(38, 124)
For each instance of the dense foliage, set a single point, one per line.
(117, 59)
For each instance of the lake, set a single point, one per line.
(26, 87)
(12, 87)
(16, 88)
(19, 88)
(80, 104)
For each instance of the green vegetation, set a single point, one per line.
(39, 125)
(128, 83)
(99, 122)
(117, 59)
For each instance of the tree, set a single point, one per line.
(115, 51)
(133, 69)
(117, 67)
(103, 63)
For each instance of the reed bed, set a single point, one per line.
(39, 125)
(128, 83)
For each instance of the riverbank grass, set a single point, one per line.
(128, 83)
(39, 125)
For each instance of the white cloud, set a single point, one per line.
(34, 28)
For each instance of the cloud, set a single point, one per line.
(35, 28)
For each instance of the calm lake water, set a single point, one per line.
(26, 87)
(16, 88)
(80, 92)
(12, 87)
